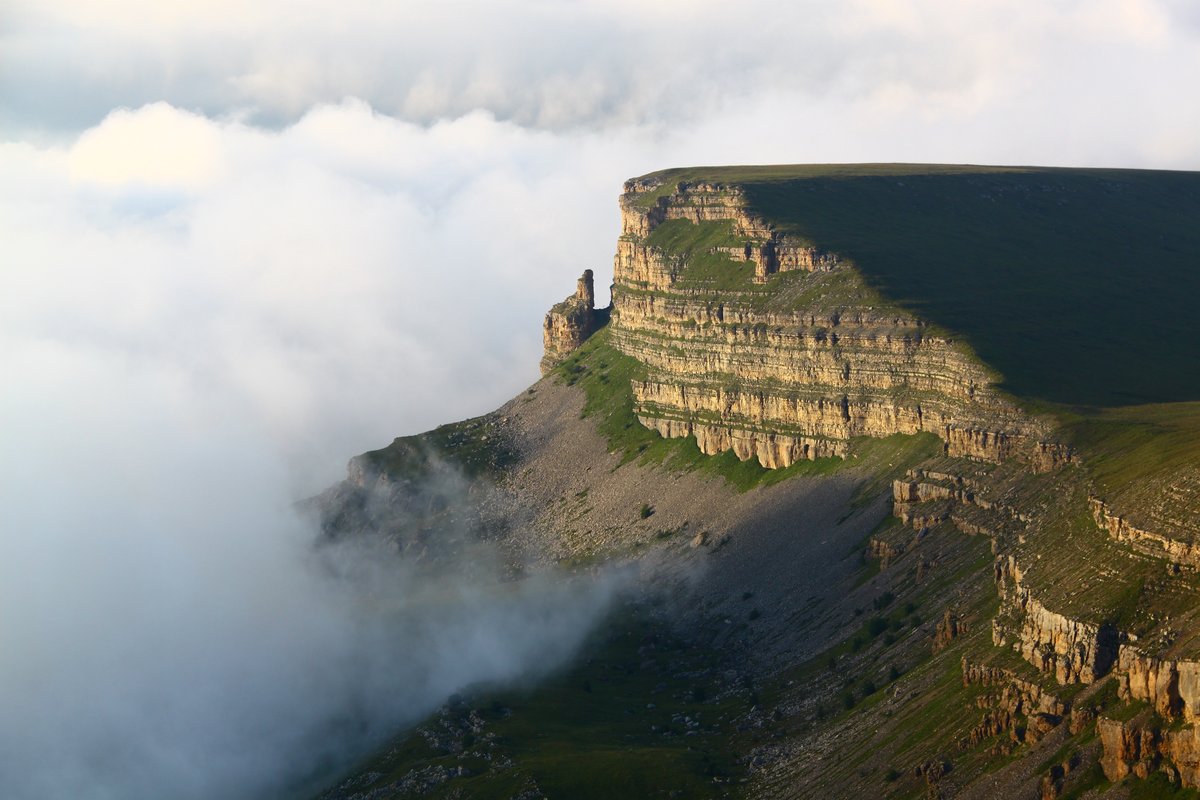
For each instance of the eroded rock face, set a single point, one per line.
(790, 371)
(568, 324)
(1138, 748)
(1072, 650)
(1171, 686)
(1148, 542)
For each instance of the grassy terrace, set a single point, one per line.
(1079, 285)
(604, 374)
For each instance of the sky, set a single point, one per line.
(245, 241)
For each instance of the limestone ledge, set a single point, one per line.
(921, 503)
(1027, 697)
(849, 357)
(649, 267)
(693, 307)
(1171, 686)
(773, 450)
(1072, 650)
(700, 202)
(664, 405)
(1147, 542)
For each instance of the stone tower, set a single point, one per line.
(569, 323)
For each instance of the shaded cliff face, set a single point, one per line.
(765, 344)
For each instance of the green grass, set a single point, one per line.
(1128, 445)
(691, 244)
(1157, 787)
(604, 374)
(1142, 458)
(609, 725)
(479, 446)
(1078, 285)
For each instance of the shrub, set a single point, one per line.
(646, 510)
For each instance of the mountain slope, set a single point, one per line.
(866, 431)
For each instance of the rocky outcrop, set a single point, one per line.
(784, 370)
(1140, 746)
(926, 498)
(569, 323)
(1020, 709)
(644, 207)
(1148, 542)
(1171, 686)
(1071, 650)
(949, 628)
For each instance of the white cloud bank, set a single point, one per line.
(200, 321)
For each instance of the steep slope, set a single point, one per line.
(886, 407)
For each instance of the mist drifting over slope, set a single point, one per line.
(169, 630)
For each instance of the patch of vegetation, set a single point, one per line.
(479, 447)
(626, 719)
(1157, 787)
(693, 247)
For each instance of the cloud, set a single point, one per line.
(586, 63)
(168, 631)
(341, 281)
(200, 321)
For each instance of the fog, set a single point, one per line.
(243, 242)
(169, 630)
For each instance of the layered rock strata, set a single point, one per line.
(1144, 541)
(569, 323)
(1073, 651)
(1136, 748)
(783, 370)
(1171, 686)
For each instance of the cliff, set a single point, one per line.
(769, 346)
(873, 435)
(751, 333)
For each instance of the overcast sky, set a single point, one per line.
(244, 241)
